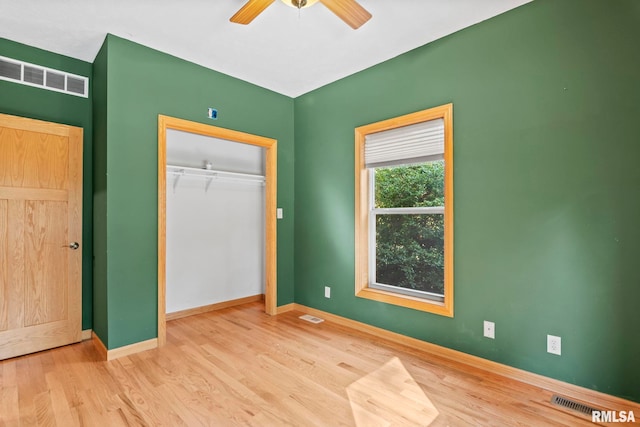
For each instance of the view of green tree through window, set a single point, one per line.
(409, 227)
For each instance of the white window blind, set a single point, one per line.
(416, 143)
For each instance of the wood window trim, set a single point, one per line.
(362, 189)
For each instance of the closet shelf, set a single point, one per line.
(211, 174)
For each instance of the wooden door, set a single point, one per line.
(40, 218)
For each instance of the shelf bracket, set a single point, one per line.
(176, 178)
(208, 184)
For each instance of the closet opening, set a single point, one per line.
(216, 219)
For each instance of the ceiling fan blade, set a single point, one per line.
(349, 11)
(250, 10)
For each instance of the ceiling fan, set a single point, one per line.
(349, 11)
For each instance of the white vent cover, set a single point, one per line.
(312, 319)
(28, 74)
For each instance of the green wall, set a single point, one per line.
(546, 106)
(41, 104)
(136, 84)
(100, 314)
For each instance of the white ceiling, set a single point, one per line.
(281, 50)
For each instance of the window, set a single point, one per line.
(404, 211)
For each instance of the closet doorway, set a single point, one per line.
(166, 130)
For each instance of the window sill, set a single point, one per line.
(407, 301)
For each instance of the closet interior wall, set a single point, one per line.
(215, 224)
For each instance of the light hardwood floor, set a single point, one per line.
(239, 366)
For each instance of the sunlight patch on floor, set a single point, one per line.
(390, 396)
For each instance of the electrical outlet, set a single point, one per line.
(327, 292)
(554, 345)
(489, 329)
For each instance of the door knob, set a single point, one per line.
(74, 245)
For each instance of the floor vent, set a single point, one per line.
(28, 74)
(312, 319)
(572, 404)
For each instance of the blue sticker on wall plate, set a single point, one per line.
(212, 113)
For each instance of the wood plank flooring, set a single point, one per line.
(239, 366)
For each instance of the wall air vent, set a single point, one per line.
(28, 74)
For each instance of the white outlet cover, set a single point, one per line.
(327, 292)
(279, 213)
(554, 345)
(489, 329)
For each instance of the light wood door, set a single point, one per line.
(40, 219)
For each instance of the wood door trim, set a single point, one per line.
(271, 147)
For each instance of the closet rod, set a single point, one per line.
(212, 173)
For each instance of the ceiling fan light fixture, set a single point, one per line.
(299, 4)
(350, 11)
